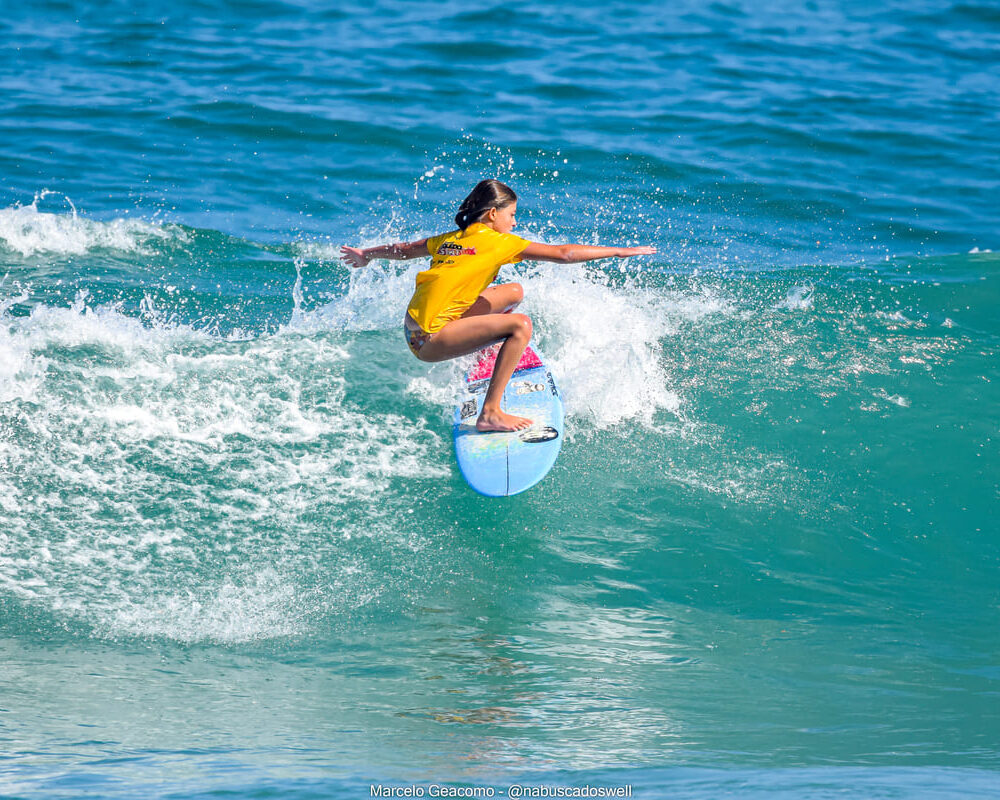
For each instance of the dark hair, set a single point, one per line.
(487, 194)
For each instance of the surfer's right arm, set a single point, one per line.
(573, 253)
(356, 257)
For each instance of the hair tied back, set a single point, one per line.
(487, 194)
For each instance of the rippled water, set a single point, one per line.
(236, 555)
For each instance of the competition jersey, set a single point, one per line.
(463, 263)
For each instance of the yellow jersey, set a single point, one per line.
(463, 263)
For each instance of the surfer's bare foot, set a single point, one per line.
(499, 421)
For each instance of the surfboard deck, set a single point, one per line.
(500, 464)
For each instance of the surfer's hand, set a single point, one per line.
(353, 256)
(626, 252)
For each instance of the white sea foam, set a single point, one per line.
(610, 344)
(21, 371)
(148, 470)
(30, 231)
(265, 605)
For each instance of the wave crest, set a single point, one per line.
(27, 230)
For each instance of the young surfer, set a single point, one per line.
(454, 310)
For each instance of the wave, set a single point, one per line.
(162, 479)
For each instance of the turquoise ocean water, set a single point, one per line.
(236, 556)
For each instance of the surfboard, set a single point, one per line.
(500, 464)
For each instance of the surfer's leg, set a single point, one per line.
(469, 334)
(496, 300)
(492, 417)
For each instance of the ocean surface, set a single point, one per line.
(237, 558)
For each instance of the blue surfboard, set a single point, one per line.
(500, 464)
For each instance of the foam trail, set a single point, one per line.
(160, 481)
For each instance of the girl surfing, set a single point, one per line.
(454, 311)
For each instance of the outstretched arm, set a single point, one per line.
(355, 257)
(570, 253)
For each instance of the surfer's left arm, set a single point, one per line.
(573, 253)
(357, 257)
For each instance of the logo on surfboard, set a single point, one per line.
(536, 435)
(468, 409)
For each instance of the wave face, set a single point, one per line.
(234, 544)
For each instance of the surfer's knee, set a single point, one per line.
(516, 291)
(522, 327)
